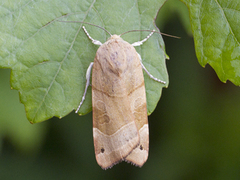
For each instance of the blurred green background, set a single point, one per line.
(194, 131)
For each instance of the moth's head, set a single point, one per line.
(114, 37)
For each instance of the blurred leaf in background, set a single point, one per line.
(173, 8)
(14, 126)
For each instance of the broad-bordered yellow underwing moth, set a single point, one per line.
(120, 123)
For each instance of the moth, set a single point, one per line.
(120, 122)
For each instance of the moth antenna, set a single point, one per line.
(154, 31)
(87, 23)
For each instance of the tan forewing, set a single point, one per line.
(140, 154)
(115, 104)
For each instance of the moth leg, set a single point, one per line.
(96, 42)
(151, 76)
(88, 75)
(139, 43)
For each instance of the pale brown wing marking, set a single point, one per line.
(102, 114)
(140, 154)
(115, 133)
(116, 108)
(118, 147)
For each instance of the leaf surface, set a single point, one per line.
(216, 31)
(49, 58)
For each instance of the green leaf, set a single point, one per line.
(216, 31)
(49, 58)
(170, 10)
